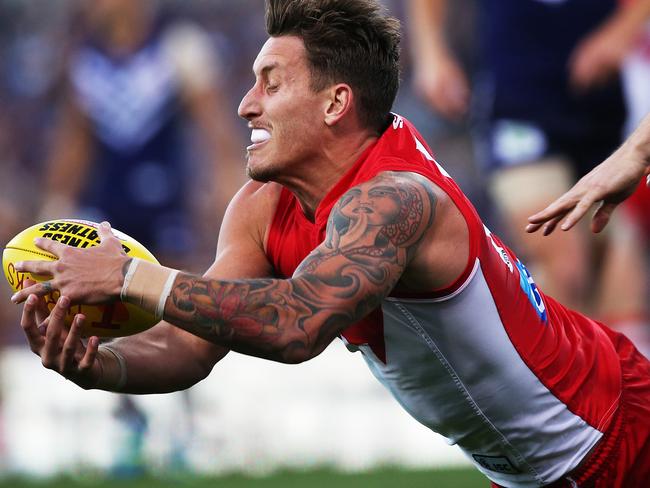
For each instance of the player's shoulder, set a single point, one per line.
(399, 175)
(249, 216)
(258, 193)
(254, 203)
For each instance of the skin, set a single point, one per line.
(285, 152)
(366, 250)
(607, 185)
(396, 231)
(339, 283)
(563, 268)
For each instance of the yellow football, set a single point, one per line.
(113, 320)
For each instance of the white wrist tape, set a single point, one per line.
(121, 380)
(147, 285)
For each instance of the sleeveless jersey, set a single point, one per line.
(523, 385)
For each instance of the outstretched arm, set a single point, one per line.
(163, 358)
(608, 184)
(373, 232)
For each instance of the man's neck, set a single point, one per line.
(320, 176)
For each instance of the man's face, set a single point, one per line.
(285, 116)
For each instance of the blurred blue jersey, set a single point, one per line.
(524, 76)
(137, 179)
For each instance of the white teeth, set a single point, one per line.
(260, 135)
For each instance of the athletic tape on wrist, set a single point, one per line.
(148, 285)
(167, 288)
(128, 277)
(121, 381)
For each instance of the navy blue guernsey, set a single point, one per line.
(137, 179)
(526, 46)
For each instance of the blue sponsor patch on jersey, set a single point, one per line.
(530, 289)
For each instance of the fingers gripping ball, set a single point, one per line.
(113, 320)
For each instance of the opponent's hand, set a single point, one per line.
(90, 276)
(61, 349)
(609, 183)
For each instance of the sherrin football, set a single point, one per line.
(113, 320)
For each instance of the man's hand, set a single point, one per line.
(61, 349)
(609, 183)
(88, 276)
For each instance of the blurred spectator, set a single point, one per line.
(636, 75)
(130, 460)
(118, 149)
(135, 78)
(548, 105)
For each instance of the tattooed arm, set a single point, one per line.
(164, 358)
(372, 234)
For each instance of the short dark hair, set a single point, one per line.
(347, 41)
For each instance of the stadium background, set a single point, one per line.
(265, 422)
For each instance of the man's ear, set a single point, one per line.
(338, 103)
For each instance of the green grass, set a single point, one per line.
(383, 478)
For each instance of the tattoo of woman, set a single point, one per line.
(372, 233)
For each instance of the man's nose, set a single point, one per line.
(249, 106)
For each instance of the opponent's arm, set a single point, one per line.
(373, 232)
(609, 183)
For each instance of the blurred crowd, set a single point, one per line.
(126, 111)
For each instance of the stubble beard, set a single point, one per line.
(263, 174)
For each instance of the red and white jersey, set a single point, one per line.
(523, 385)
